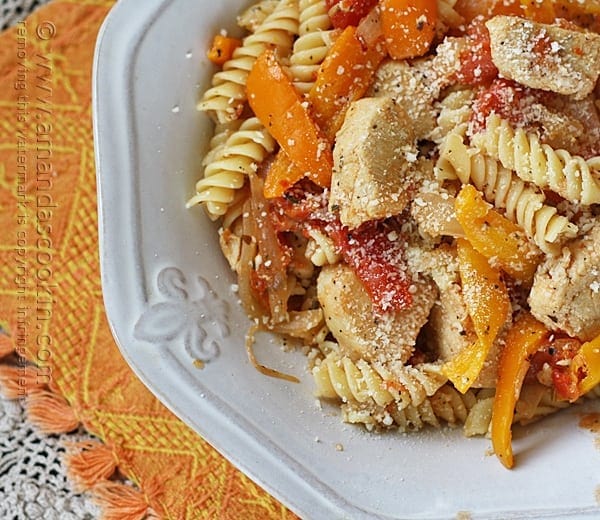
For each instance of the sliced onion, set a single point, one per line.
(369, 30)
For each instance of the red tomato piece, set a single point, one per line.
(348, 12)
(557, 354)
(477, 67)
(376, 254)
(502, 97)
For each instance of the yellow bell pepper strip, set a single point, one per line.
(408, 26)
(275, 101)
(488, 305)
(586, 365)
(494, 236)
(344, 76)
(463, 369)
(523, 339)
(221, 49)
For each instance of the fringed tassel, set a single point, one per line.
(7, 345)
(51, 413)
(18, 382)
(89, 463)
(121, 502)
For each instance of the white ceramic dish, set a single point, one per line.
(168, 298)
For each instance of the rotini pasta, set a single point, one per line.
(455, 111)
(241, 153)
(414, 418)
(522, 203)
(252, 17)
(321, 249)
(222, 132)
(312, 45)
(571, 176)
(339, 376)
(227, 97)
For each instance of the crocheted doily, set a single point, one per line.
(11, 11)
(33, 484)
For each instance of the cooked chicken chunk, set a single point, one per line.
(361, 333)
(435, 215)
(374, 157)
(450, 327)
(416, 86)
(544, 56)
(405, 84)
(566, 290)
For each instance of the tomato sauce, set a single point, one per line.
(557, 354)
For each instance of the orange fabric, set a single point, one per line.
(50, 296)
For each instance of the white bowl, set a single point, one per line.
(168, 298)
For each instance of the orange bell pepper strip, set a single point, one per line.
(494, 236)
(586, 363)
(585, 14)
(279, 107)
(344, 76)
(281, 176)
(488, 305)
(537, 11)
(408, 26)
(523, 339)
(221, 49)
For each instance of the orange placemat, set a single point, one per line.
(67, 367)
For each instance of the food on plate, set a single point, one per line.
(411, 189)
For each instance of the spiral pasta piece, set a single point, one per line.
(523, 205)
(413, 418)
(338, 377)
(217, 142)
(320, 249)
(227, 97)
(455, 112)
(571, 176)
(312, 45)
(251, 18)
(451, 406)
(241, 154)
(362, 382)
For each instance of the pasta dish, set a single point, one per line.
(410, 189)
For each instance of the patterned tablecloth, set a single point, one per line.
(80, 436)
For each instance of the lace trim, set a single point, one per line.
(33, 482)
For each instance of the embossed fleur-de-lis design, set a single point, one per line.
(198, 323)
